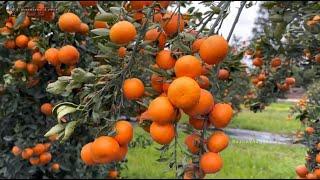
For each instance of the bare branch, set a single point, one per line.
(236, 20)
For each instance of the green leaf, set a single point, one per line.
(108, 17)
(101, 31)
(19, 20)
(101, 10)
(64, 110)
(69, 130)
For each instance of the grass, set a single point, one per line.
(241, 160)
(273, 119)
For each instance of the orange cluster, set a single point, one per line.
(38, 155)
(107, 149)
(70, 22)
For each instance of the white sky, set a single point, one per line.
(245, 24)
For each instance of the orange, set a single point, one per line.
(104, 147)
(10, 44)
(317, 58)
(210, 162)
(38, 149)
(192, 141)
(88, 3)
(46, 109)
(122, 52)
(162, 134)
(47, 146)
(37, 57)
(133, 88)
(157, 82)
(113, 174)
(203, 106)
(52, 56)
(164, 60)
(290, 81)
(206, 68)
(197, 123)
(22, 41)
(184, 92)
(55, 167)
(53, 137)
(193, 172)
(86, 154)
(161, 110)
(69, 55)
(275, 62)
(122, 153)
(223, 74)
(203, 82)
(217, 142)
(157, 17)
(26, 22)
(26, 153)
(262, 77)
(317, 172)
(16, 150)
(69, 22)
(311, 176)
(221, 115)
(124, 132)
(170, 23)
(20, 65)
(122, 32)
(164, 4)
(214, 49)
(138, 16)
(188, 66)
(32, 69)
(318, 158)
(257, 62)
(84, 29)
(45, 158)
(100, 24)
(138, 5)
(165, 87)
(156, 35)
(34, 161)
(196, 45)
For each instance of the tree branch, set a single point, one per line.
(236, 20)
(224, 7)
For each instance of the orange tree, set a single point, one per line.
(140, 63)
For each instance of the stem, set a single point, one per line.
(237, 19)
(224, 7)
(175, 148)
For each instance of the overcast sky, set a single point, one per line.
(245, 24)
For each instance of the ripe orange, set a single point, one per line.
(113, 174)
(197, 123)
(100, 24)
(122, 153)
(46, 109)
(170, 23)
(223, 74)
(217, 142)
(45, 158)
(162, 134)
(165, 87)
(317, 172)
(84, 29)
(36, 57)
(275, 62)
(221, 115)
(204, 105)
(206, 68)
(124, 132)
(192, 141)
(164, 60)
(164, 4)
(184, 92)
(47, 146)
(210, 162)
(104, 147)
(262, 77)
(192, 172)
(317, 58)
(122, 52)
(32, 69)
(38, 149)
(22, 41)
(88, 3)
(133, 88)
(122, 32)
(157, 82)
(138, 16)
(290, 81)
(318, 158)
(20, 65)
(157, 17)
(49, 16)
(69, 55)
(86, 154)
(10, 44)
(16, 150)
(26, 22)
(161, 110)
(257, 62)
(34, 161)
(203, 82)
(188, 66)
(311, 176)
(69, 22)
(214, 49)
(155, 35)
(55, 167)
(196, 45)
(310, 130)
(27, 153)
(52, 56)
(139, 5)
